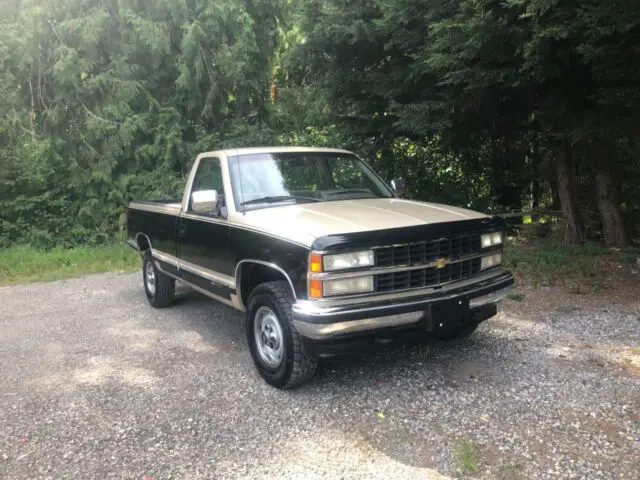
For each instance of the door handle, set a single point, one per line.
(182, 230)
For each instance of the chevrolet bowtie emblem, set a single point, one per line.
(441, 262)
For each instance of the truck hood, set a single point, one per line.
(303, 223)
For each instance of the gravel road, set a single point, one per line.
(94, 383)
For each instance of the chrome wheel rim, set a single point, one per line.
(150, 275)
(268, 336)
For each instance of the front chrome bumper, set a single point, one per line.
(321, 322)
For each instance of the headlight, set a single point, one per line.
(491, 239)
(348, 285)
(343, 261)
(490, 261)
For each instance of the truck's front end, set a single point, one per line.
(439, 280)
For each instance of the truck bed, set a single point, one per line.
(155, 219)
(160, 203)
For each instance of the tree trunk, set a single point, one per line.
(552, 180)
(508, 194)
(567, 194)
(536, 184)
(32, 113)
(536, 192)
(615, 234)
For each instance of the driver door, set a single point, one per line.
(204, 252)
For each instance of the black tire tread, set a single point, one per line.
(304, 367)
(165, 285)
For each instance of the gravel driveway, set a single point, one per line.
(94, 383)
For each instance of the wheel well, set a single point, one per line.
(253, 274)
(143, 243)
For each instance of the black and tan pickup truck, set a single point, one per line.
(320, 253)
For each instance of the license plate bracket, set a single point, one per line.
(449, 315)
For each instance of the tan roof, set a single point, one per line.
(252, 150)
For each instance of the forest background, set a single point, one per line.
(497, 106)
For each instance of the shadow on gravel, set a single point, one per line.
(92, 373)
(509, 389)
(219, 323)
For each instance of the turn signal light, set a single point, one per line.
(315, 288)
(315, 263)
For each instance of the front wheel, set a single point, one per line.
(159, 287)
(276, 347)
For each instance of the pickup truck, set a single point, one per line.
(321, 255)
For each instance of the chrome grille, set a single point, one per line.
(426, 277)
(453, 249)
(425, 252)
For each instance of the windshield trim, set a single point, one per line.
(241, 208)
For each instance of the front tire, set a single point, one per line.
(159, 287)
(276, 347)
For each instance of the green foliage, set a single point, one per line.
(474, 102)
(468, 455)
(111, 101)
(550, 263)
(516, 297)
(25, 264)
(512, 471)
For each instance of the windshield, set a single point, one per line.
(273, 179)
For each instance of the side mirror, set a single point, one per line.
(204, 201)
(399, 185)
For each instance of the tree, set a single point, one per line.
(497, 84)
(489, 104)
(111, 100)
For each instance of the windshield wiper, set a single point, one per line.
(278, 198)
(344, 192)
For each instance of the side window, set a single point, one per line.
(209, 177)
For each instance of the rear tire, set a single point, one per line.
(159, 287)
(276, 347)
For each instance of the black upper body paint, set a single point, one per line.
(291, 257)
(160, 228)
(218, 246)
(392, 236)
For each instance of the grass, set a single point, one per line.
(512, 471)
(27, 264)
(468, 455)
(545, 263)
(516, 297)
(629, 258)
